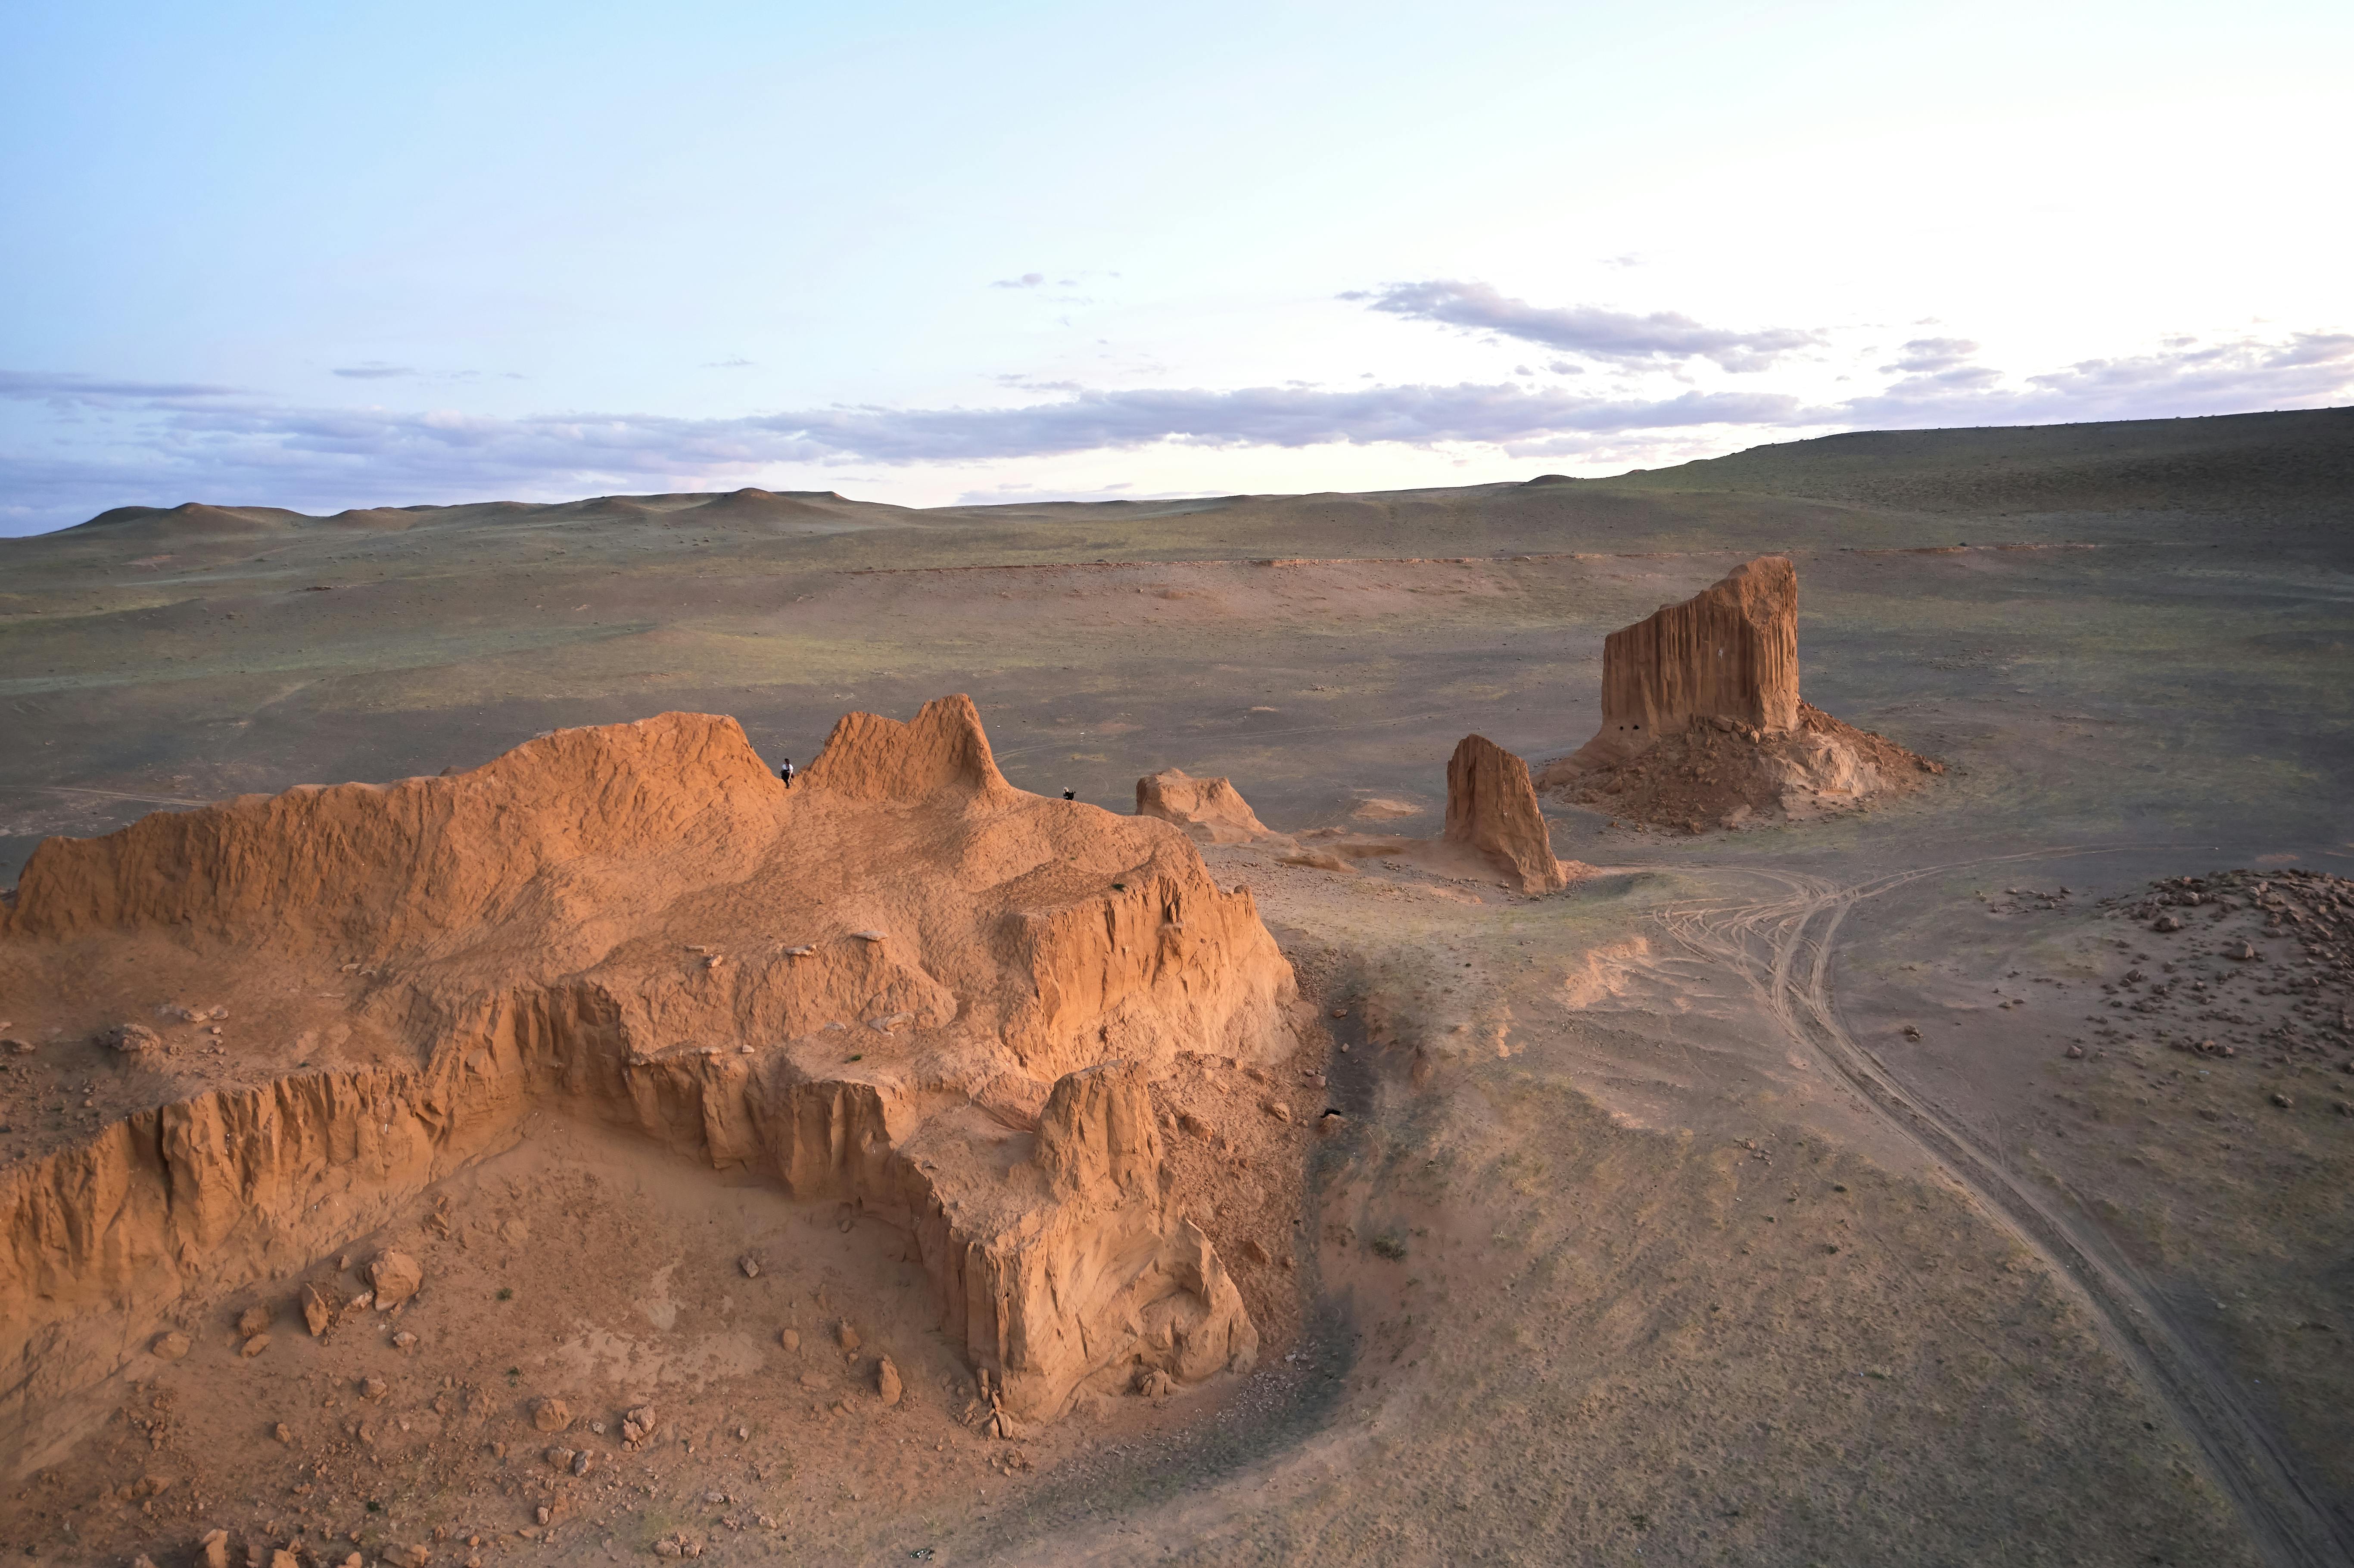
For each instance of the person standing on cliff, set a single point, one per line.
(786, 773)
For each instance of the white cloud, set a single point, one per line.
(112, 442)
(1663, 337)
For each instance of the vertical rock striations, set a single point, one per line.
(1730, 651)
(1492, 806)
(1701, 722)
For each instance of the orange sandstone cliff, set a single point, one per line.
(902, 983)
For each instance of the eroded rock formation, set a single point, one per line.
(1211, 809)
(1730, 651)
(1492, 805)
(1701, 722)
(902, 983)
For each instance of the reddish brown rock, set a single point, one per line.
(1492, 805)
(1211, 809)
(1701, 722)
(530, 933)
(1730, 651)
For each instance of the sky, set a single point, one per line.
(320, 257)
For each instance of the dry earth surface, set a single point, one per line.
(1948, 1181)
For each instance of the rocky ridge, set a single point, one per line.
(902, 984)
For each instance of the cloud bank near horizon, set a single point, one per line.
(1616, 337)
(168, 441)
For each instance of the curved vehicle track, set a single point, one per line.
(1785, 947)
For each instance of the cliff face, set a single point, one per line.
(641, 923)
(1492, 805)
(1730, 651)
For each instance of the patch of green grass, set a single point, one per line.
(506, 1292)
(1390, 1247)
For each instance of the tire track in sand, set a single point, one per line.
(1785, 948)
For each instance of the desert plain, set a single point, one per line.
(1955, 1176)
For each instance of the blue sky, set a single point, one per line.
(351, 255)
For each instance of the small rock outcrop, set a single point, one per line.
(1702, 726)
(1492, 805)
(1211, 810)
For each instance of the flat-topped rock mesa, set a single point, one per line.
(1211, 811)
(1492, 805)
(1701, 722)
(1730, 651)
(902, 983)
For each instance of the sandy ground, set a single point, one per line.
(1650, 1235)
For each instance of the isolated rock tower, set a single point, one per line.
(1492, 805)
(1730, 651)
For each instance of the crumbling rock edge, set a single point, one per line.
(1001, 962)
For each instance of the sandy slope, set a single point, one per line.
(1571, 1291)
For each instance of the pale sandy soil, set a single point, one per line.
(1650, 1237)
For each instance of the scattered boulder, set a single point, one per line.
(396, 1276)
(887, 1380)
(319, 1308)
(846, 1337)
(170, 1347)
(253, 1320)
(1211, 810)
(212, 1548)
(550, 1414)
(254, 1346)
(1152, 1383)
(792, 1340)
(1492, 806)
(130, 1039)
(638, 1425)
(2243, 951)
(750, 1266)
(374, 1387)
